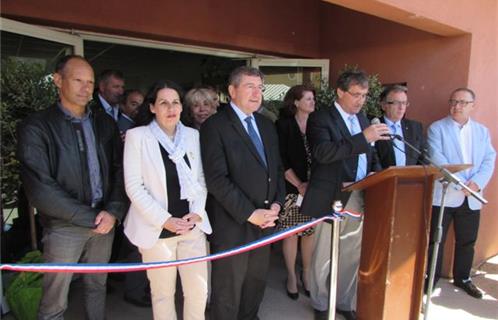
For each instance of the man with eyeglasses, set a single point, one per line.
(458, 139)
(340, 139)
(394, 102)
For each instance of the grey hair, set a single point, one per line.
(237, 73)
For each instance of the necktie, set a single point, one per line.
(255, 139)
(354, 128)
(399, 148)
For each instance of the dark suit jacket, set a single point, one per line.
(292, 150)
(413, 134)
(237, 180)
(335, 159)
(124, 123)
(97, 107)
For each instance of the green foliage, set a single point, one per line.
(271, 109)
(25, 88)
(325, 96)
(24, 292)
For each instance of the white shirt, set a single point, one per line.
(465, 140)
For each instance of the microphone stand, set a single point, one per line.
(447, 178)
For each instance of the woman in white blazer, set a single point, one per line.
(165, 183)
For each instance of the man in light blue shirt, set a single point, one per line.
(457, 139)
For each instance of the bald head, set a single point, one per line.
(74, 78)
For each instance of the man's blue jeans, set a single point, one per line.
(74, 244)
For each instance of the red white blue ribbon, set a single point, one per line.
(130, 267)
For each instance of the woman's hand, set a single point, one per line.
(193, 217)
(302, 188)
(178, 225)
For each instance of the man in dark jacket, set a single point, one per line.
(394, 102)
(110, 93)
(244, 177)
(71, 167)
(340, 139)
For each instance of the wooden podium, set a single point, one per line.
(396, 229)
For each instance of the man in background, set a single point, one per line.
(132, 99)
(394, 102)
(110, 88)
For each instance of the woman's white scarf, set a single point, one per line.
(189, 187)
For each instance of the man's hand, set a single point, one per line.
(375, 132)
(265, 218)
(473, 186)
(178, 225)
(104, 222)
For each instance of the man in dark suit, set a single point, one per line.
(340, 138)
(244, 177)
(394, 101)
(110, 88)
(132, 99)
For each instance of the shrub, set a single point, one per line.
(25, 88)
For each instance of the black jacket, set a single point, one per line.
(292, 150)
(237, 180)
(335, 159)
(54, 170)
(413, 134)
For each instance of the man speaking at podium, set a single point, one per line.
(394, 102)
(340, 138)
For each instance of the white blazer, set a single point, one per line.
(145, 182)
(444, 148)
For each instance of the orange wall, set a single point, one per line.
(457, 47)
(432, 65)
(279, 26)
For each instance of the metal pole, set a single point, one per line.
(435, 250)
(32, 227)
(334, 257)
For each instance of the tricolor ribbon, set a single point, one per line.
(130, 267)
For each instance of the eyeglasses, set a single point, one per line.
(398, 103)
(357, 95)
(463, 103)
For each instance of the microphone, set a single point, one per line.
(447, 175)
(390, 135)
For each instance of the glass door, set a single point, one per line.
(282, 74)
(33, 44)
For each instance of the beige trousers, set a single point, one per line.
(348, 264)
(194, 277)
